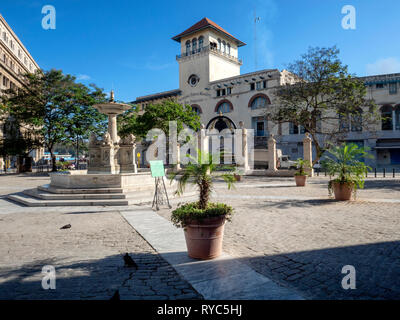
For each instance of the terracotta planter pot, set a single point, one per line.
(342, 191)
(300, 180)
(204, 238)
(237, 177)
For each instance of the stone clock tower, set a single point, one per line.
(208, 53)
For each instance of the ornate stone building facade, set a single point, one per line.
(210, 81)
(15, 60)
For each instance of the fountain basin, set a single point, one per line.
(79, 179)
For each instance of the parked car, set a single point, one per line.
(286, 163)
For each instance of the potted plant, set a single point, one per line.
(301, 176)
(344, 161)
(203, 221)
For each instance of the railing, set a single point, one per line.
(375, 173)
(207, 48)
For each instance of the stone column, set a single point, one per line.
(272, 153)
(112, 127)
(178, 157)
(307, 151)
(203, 140)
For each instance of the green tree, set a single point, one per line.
(82, 118)
(322, 97)
(50, 103)
(158, 116)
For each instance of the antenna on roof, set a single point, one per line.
(256, 19)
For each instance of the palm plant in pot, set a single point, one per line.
(344, 162)
(301, 175)
(203, 221)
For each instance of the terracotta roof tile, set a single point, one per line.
(203, 24)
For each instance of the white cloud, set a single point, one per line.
(83, 77)
(383, 66)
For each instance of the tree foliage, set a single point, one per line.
(322, 97)
(158, 116)
(52, 105)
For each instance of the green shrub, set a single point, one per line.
(192, 211)
(301, 165)
(344, 161)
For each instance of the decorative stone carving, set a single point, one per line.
(93, 140)
(107, 139)
(129, 140)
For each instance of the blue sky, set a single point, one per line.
(127, 44)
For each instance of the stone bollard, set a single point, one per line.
(307, 151)
(272, 154)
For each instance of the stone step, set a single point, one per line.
(50, 189)
(34, 202)
(131, 199)
(44, 195)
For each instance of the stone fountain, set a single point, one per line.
(111, 159)
(111, 178)
(112, 154)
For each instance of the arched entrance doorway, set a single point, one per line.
(223, 128)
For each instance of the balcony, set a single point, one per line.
(207, 49)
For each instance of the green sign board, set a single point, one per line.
(157, 168)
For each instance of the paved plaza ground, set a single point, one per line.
(88, 257)
(297, 237)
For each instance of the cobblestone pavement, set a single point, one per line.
(303, 244)
(88, 258)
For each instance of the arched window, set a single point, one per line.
(223, 46)
(187, 47)
(228, 49)
(224, 106)
(387, 117)
(194, 45)
(259, 101)
(219, 44)
(356, 121)
(196, 108)
(201, 42)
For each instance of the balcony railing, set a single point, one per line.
(207, 48)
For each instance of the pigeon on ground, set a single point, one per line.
(115, 296)
(67, 226)
(129, 262)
